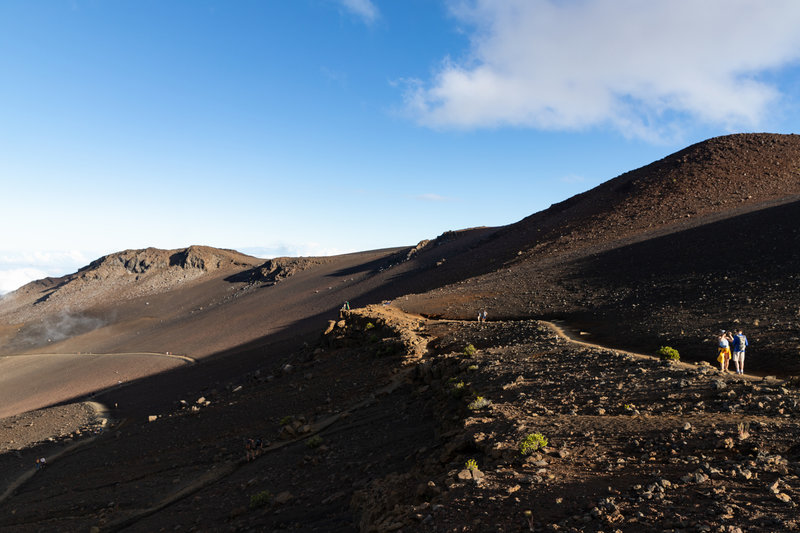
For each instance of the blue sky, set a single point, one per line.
(310, 127)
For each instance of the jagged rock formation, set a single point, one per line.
(275, 270)
(120, 276)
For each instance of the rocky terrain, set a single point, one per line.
(394, 423)
(409, 415)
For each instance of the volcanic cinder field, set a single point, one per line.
(206, 390)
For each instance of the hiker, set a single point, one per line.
(739, 344)
(345, 307)
(38, 464)
(483, 318)
(249, 450)
(724, 350)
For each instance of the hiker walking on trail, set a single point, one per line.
(739, 344)
(481, 316)
(249, 450)
(724, 350)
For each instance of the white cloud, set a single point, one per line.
(20, 267)
(431, 197)
(13, 279)
(364, 9)
(644, 67)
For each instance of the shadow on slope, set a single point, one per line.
(680, 289)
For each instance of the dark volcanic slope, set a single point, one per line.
(722, 232)
(718, 176)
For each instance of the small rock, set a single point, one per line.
(284, 497)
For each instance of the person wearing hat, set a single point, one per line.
(724, 350)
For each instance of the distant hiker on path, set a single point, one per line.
(739, 345)
(345, 307)
(724, 350)
(249, 450)
(482, 316)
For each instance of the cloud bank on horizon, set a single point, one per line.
(646, 69)
(19, 268)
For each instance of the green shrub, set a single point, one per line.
(459, 388)
(260, 499)
(471, 464)
(288, 419)
(532, 443)
(479, 403)
(314, 442)
(470, 350)
(472, 368)
(369, 326)
(667, 353)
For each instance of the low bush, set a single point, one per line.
(667, 353)
(314, 442)
(479, 403)
(458, 388)
(532, 443)
(260, 499)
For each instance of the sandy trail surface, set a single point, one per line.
(29, 382)
(58, 430)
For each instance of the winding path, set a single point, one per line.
(100, 412)
(186, 358)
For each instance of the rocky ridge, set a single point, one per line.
(719, 175)
(121, 276)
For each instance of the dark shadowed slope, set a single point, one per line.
(558, 263)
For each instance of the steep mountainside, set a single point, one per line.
(721, 225)
(724, 175)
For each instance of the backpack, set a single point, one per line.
(741, 342)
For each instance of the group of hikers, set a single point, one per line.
(731, 346)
